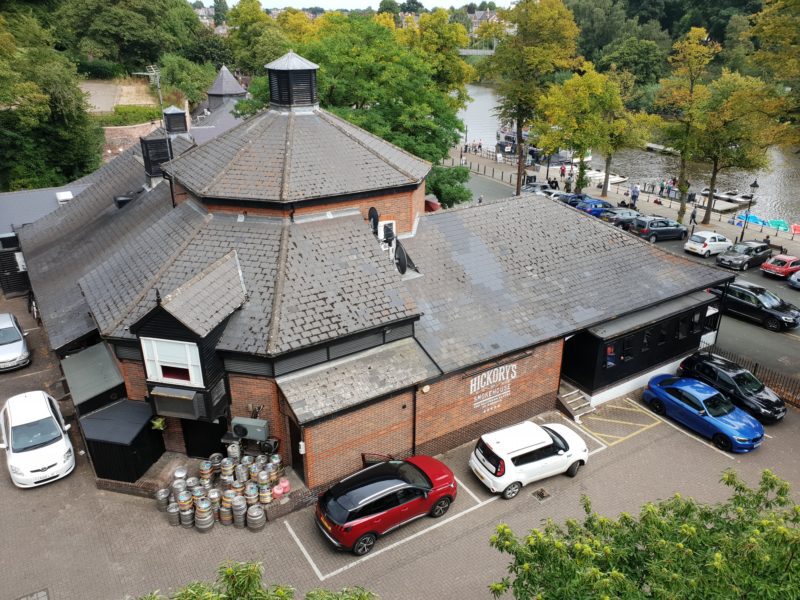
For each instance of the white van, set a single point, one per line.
(507, 459)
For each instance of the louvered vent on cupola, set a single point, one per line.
(292, 81)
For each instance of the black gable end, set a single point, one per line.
(158, 323)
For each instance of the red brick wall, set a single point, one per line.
(173, 436)
(403, 207)
(334, 447)
(253, 390)
(135, 379)
(449, 414)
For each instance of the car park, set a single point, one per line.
(594, 207)
(758, 304)
(736, 383)
(744, 255)
(34, 435)
(706, 243)
(14, 353)
(378, 499)
(782, 265)
(510, 458)
(619, 217)
(704, 410)
(655, 228)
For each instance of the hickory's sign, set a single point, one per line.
(490, 387)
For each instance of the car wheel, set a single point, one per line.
(658, 407)
(772, 324)
(745, 266)
(573, 469)
(723, 442)
(706, 254)
(653, 238)
(512, 490)
(440, 507)
(364, 544)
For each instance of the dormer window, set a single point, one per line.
(172, 362)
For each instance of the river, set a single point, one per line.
(777, 197)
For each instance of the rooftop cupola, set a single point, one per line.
(292, 82)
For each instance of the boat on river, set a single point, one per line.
(507, 144)
(729, 195)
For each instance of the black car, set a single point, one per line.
(744, 255)
(654, 228)
(737, 383)
(619, 217)
(759, 304)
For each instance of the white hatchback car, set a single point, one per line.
(507, 459)
(706, 243)
(34, 436)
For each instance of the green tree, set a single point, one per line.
(447, 184)
(256, 38)
(541, 40)
(190, 78)
(600, 21)
(207, 47)
(389, 6)
(198, 4)
(437, 41)
(412, 6)
(258, 92)
(641, 58)
(460, 16)
(745, 547)
(579, 114)
(738, 47)
(681, 98)
(243, 581)
(741, 120)
(220, 12)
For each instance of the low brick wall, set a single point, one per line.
(118, 139)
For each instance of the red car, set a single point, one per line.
(376, 500)
(781, 265)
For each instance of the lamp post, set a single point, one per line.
(753, 188)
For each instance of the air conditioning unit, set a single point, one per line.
(251, 429)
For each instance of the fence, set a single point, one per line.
(483, 169)
(786, 386)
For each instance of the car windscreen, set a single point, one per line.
(740, 249)
(769, 299)
(488, 453)
(668, 381)
(747, 382)
(36, 434)
(9, 335)
(718, 405)
(698, 238)
(333, 509)
(778, 262)
(413, 475)
(640, 223)
(557, 439)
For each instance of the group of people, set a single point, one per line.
(667, 185)
(474, 147)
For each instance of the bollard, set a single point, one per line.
(492, 172)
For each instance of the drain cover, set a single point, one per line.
(541, 494)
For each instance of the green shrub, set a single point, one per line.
(100, 69)
(447, 184)
(128, 115)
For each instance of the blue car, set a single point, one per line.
(593, 206)
(703, 409)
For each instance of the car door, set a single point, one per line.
(410, 504)
(751, 306)
(705, 373)
(762, 253)
(658, 228)
(537, 464)
(728, 387)
(378, 515)
(687, 409)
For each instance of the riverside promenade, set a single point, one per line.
(506, 173)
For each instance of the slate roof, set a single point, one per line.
(307, 283)
(226, 85)
(509, 274)
(26, 206)
(209, 297)
(325, 389)
(207, 127)
(291, 62)
(292, 156)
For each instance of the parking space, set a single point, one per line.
(618, 421)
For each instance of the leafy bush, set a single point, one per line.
(100, 69)
(128, 115)
(190, 78)
(447, 184)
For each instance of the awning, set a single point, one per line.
(117, 423)
(90, 373)
(649, 316)
(328, 388)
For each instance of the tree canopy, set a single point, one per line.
(745, 547)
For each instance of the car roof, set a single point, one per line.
(753, 287)
(28, 407)
(720, 361)
(697, 388)
(368, 484)
(752, 243)
(786, 257)
(6, 320)
(517, 437)
(706, 233)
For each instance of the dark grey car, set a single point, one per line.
(654, 228)
(744, 255)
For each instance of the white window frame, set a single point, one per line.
(153, 364)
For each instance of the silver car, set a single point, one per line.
(14, 352)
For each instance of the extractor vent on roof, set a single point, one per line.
(63, 197)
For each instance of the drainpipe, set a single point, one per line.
(414, 422)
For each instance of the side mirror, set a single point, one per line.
(67, 427)
(560, 452)
(25, 333)
(701, 413)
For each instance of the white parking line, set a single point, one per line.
(28, 374)
(303, 550)
(31, 329)
(686, 433)
(768, 435)
(466, 489)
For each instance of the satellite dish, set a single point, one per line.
(400, 259)
(373, 217)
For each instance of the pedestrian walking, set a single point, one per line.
(634, 195)
(480, 199)
(661, 187)
(563, 172)
(693, 217)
